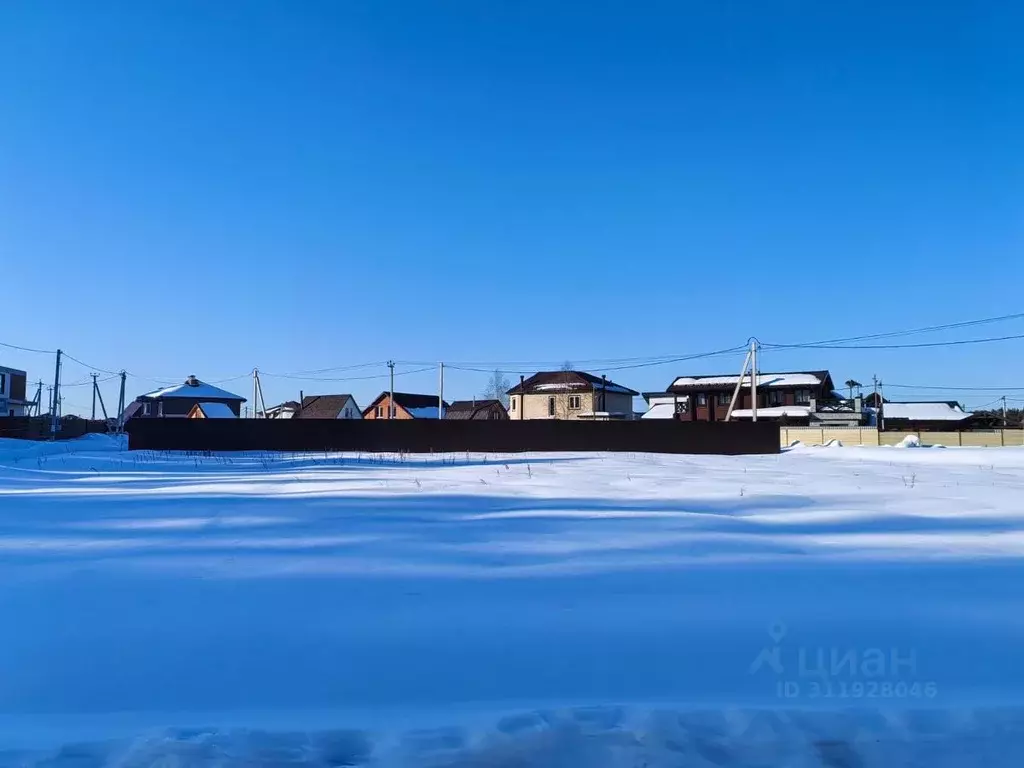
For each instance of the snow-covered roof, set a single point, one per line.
(924, 411)
(660, 411)
(774, 412)
(193, 389)
(216, 410)
(654, 398)
(763, 380)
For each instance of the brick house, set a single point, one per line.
(570, 395)
(790, 396)
(476, 410)
(406, 405)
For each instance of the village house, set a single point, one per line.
(330, 407)
(795, 397)
(178, 401)
(12, 393)
(286, 410)
(935, 416)
(476, 410)
(570, 395)
(405, 405)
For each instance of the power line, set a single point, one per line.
(956, 389)
(348, 378)
(29, 349)
(961, 342)
(910, 332)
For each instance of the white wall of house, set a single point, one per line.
(350, 411)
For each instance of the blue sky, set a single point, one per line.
(197, 187)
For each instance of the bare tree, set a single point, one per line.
(851, 383)
(497, 388)
(567, 365)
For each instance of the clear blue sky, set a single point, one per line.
(197, 187)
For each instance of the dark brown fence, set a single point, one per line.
(38, 427)
(433, 436)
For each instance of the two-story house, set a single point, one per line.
(570, 395)
(12, 392)
(789, 395)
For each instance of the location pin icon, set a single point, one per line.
(776, 631)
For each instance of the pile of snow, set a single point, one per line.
(806, 608)
(910, 441)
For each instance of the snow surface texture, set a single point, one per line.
(577, 610)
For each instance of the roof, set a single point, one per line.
(467, 409)
(547, 382)
(193, 389)
(774, 412)
(936, 411)
(407, 400)
(324, 406)
(661, 411)
(216, 410)
(786, 379)
(15, 371)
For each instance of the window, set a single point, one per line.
(160, 408)
(724, 398)
(513, 404)
(146, 409)
(702, 400)
(11, 413)
(681, 406)
(348, 412)
(574, 402)
(551, 406)
(776, 397)
(380, 412)
(803, 397)
(3, 383)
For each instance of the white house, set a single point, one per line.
(12, 392)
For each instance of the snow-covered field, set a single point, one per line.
(827, 606)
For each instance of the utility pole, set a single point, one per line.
(1004, 411)
(881, 408)
(93, 417)
(391, 391)
(54, 418)
(258, 401)
(440, 392)
(120, 404)
(103, 407)
(39, 398)
(753, 379)
(736, 391)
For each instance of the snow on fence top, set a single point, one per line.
(924, 411)
(763, 380)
